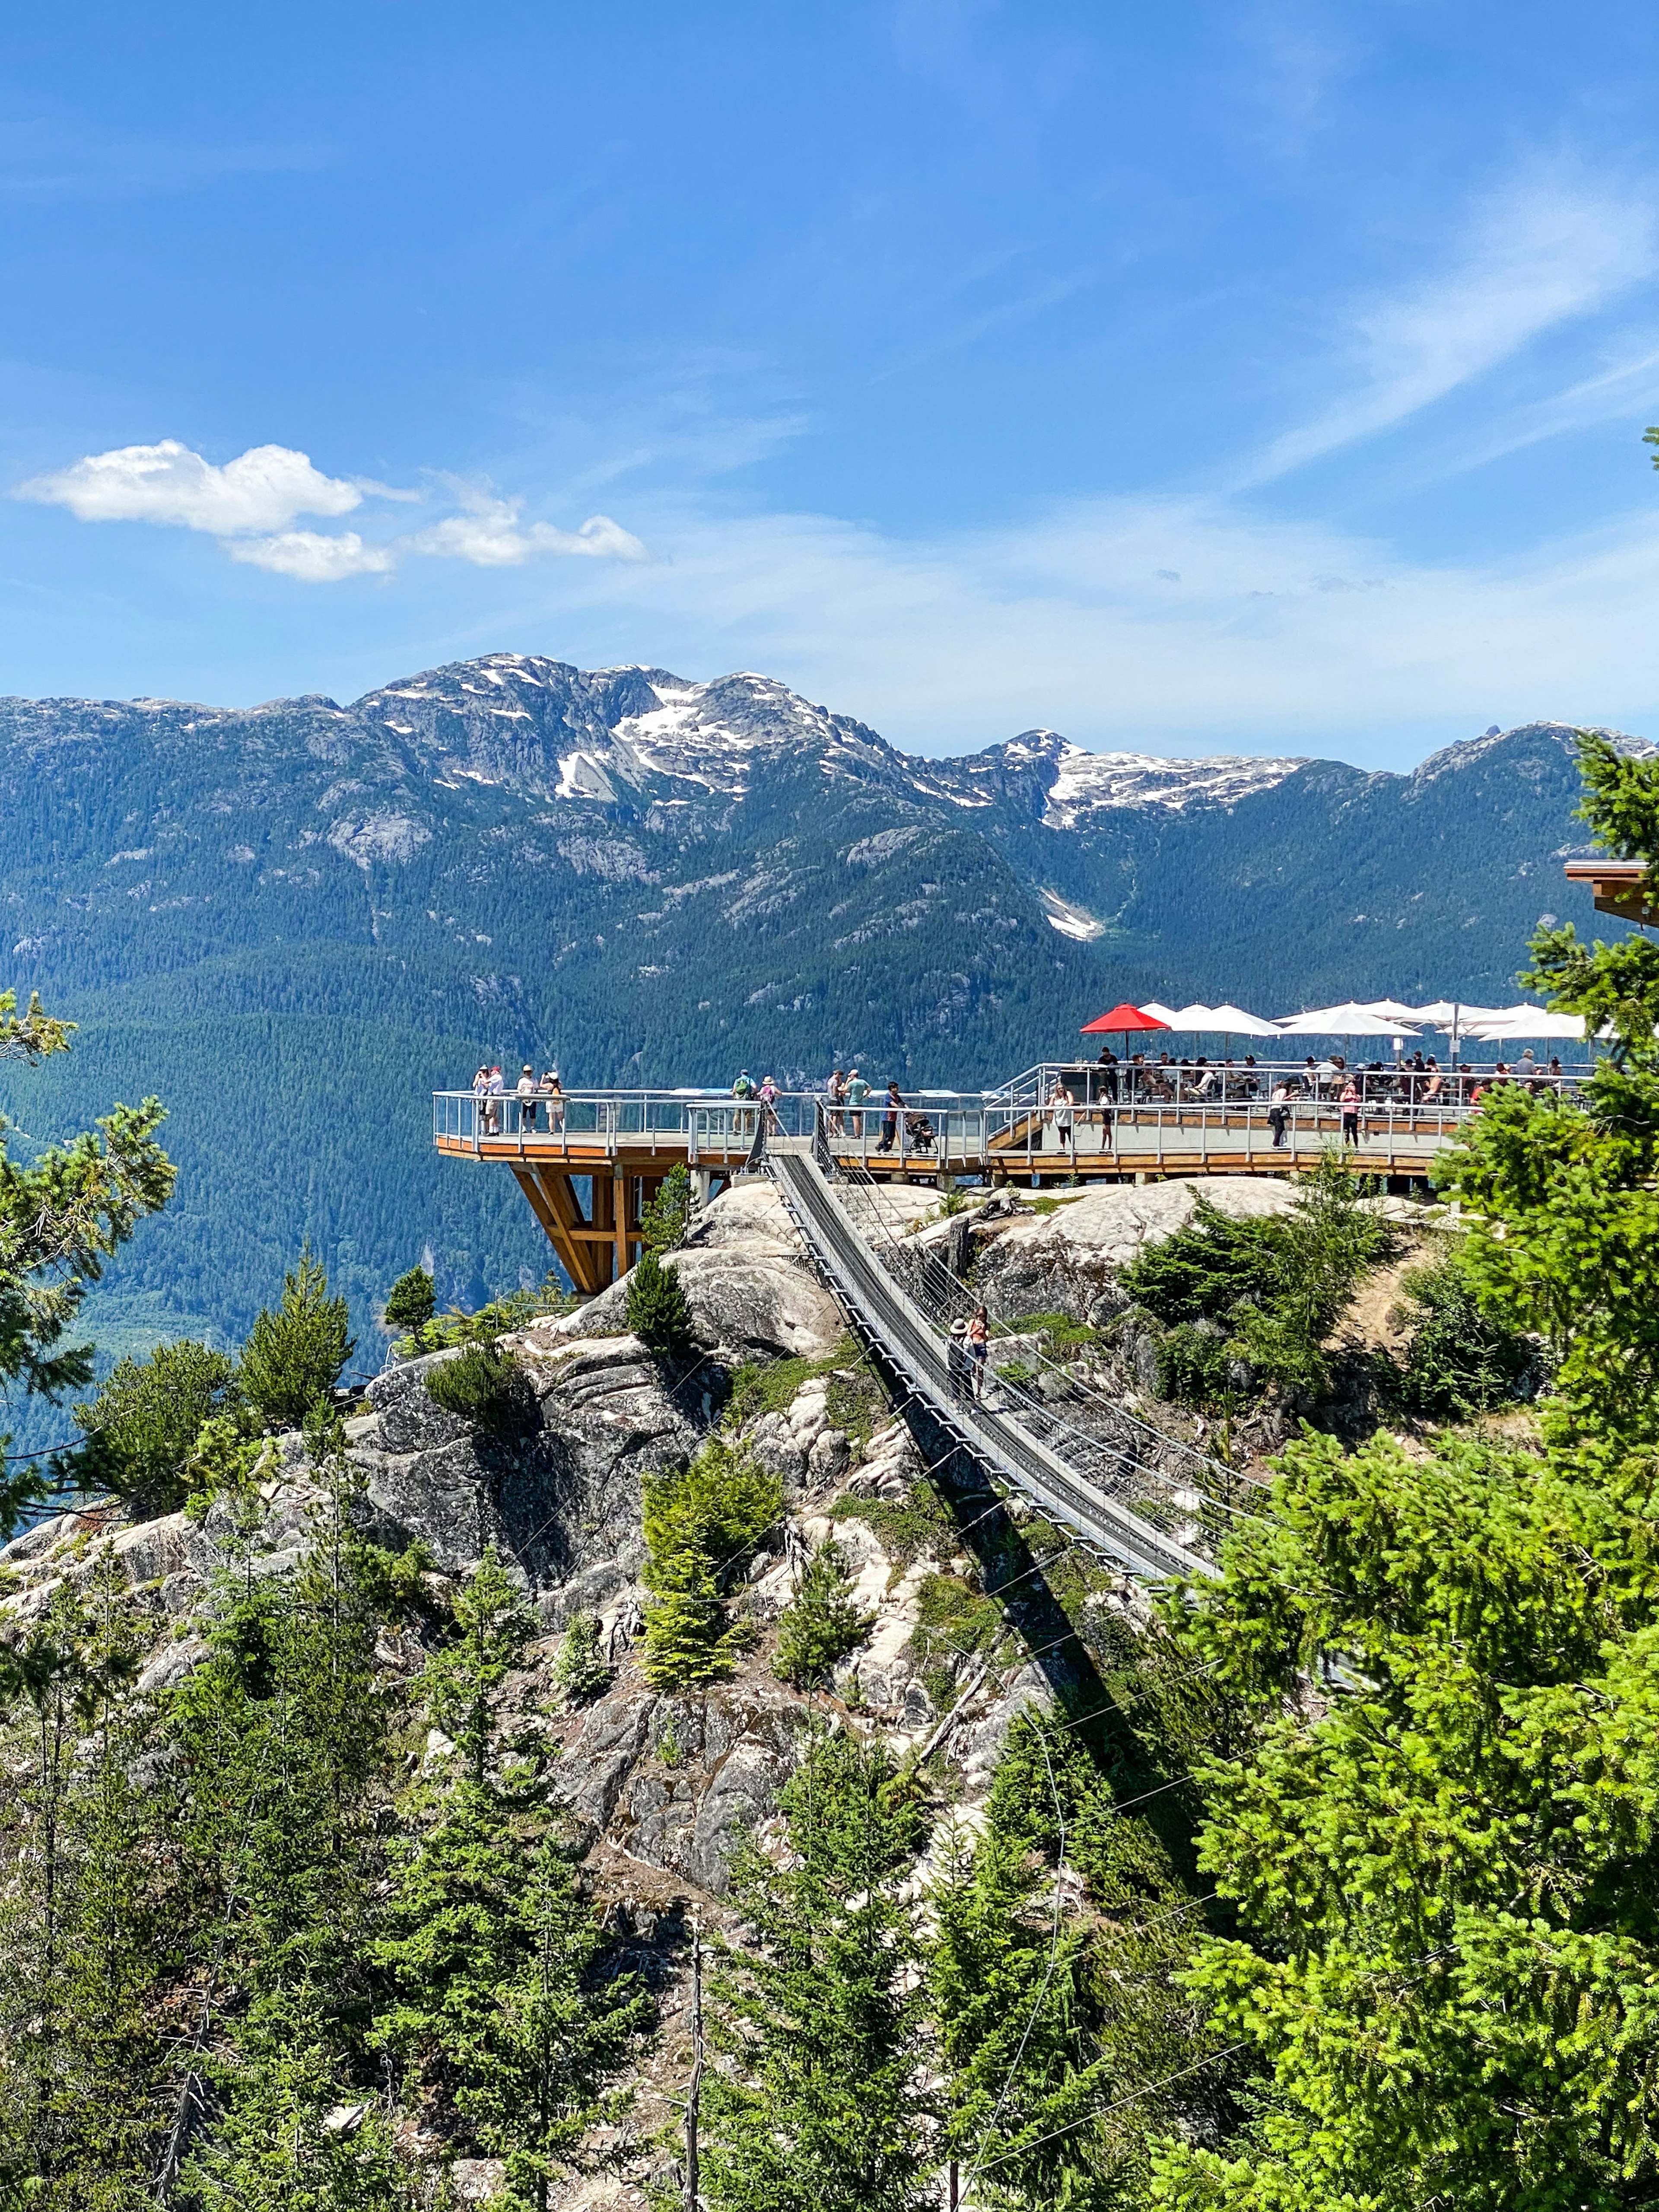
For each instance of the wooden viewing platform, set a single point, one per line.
(589, 1176)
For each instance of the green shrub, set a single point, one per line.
(579, 1671)
(1459, 1360)
(143, 1425)
(1204, 1270)
(482, 1384)
(1192, 1364)
(294, 1355)
(499, 1318)
(822, 1624)
(411, 1300)
(657, 1312)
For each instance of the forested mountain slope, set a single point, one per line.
(293, 921)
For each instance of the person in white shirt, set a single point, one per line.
(525, 1090)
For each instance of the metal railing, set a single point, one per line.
(1161, 1081)
(1020, 1126)
(694, 1122)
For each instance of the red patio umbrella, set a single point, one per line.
(1119, 1022)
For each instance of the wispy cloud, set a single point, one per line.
(1280, 635)
(310, 557)
(488, 533)
(247, 504)
(1534, 257)
(57, 157)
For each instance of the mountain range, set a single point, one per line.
(293, 921)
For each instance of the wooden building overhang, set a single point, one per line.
(1619, 887)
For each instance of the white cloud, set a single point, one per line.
(247, 503)
(1534, 258)
(312, 558)
(490, 535)
(262, 490)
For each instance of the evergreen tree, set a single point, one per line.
(665, 1221)
(291, 2137)
(492, 1953)
(1059, 1931)
(822, 1624)
(824, 2104)
(657, 1312)
(1443, 1862)
(61, 1218)
(701, 1521)
(411, 1302)
(294, 1355)
(142, 1426)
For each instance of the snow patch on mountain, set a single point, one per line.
(1088, 782)
(1069, 919)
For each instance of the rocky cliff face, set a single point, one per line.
(660, 1787)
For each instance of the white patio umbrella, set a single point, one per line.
(1351, 1020)
(1171, 1017)
(1535, 1024)
(1392, 1010)
(1233, 1021)
(1446, 1012)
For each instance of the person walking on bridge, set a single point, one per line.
(979, 1349)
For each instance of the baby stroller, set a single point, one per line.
(918, 1135)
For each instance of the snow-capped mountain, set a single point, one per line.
(293, 921)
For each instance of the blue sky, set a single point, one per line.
(1208, 378)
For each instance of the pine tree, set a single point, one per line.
(411, 1301)
(663, 1222)
(700, 1522)
(822, 1624)
(294, 1356)
(143, 1425)
(490, 1949)
(824, 2103)
(291, 2137)
(657, 1312)
(688, 1640)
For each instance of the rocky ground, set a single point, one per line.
(663, 1786)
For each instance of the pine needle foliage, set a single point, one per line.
(824, 2103)
(665, 1221)
(143, 1425)
(702, 1522)
(411, 1301)
(484, 1384)
(658, 1311)
(296, 1353)
(501, 2008)
(822, 1624)
(580, 1671)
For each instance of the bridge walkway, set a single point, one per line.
(891, 1326)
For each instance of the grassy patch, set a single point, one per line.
(769, 1385)
(905, 1527)
(955, 1623)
